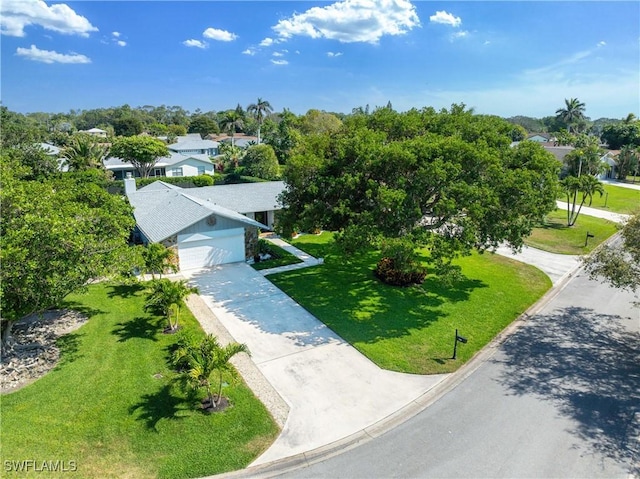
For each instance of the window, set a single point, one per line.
(176, 172)
(200, 170)
(157, 172)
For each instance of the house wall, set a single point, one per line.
(221, 223)
(270, 217)
(189, 168)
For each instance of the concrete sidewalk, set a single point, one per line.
(607, 215)
(633, 186)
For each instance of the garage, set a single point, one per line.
(202, 250)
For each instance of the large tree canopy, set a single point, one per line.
(448, 179)
(143, 152)
(55, 235)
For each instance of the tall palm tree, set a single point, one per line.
(572, 114)
(84, 153)
(204, 359)
(573, 186)
(260, 110)
(630, 118)
(232, 121)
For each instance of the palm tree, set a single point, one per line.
(630, 118)
(157, 259)
(204, 359)
(166, 296)
(230, 122)
(572, 113)
(572, 186)
(84, 153)
(260, 110)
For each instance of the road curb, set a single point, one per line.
(377, 429)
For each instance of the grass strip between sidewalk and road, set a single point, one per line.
(111, 404)
(412, 329)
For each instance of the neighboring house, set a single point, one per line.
(177, 164)
(539, 137)
(193, 144)
(242, 141)
(610, 159)
(558, 151)
(203, 233)
(54, 152)
(95, 132)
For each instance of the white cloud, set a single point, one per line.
(195, 43)
(460, 34)
(333, 55)
(445, 18)
(351, 21)
(219, 35)
(277, 54)
(122, 43)
(602, 43)
(15, 15)
(115, 34)
(280, 62)
(249, 51)
(47, 56)
(267, 42)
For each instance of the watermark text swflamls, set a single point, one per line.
(33, 465)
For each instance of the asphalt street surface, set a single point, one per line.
(560, 398)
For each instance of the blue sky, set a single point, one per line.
(503, 58)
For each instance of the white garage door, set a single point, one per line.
(202, 250)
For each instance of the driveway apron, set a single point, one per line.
(332, 390)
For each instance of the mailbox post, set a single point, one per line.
(586, 240)
(459, 339)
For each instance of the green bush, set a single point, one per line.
(388, 273)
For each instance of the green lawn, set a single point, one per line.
(617, 199)
(103, 408)
(555, 236)
(412, 329)
(283, 258)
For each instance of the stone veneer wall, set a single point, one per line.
(250, 242)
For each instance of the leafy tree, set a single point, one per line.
(621, 134)
(158, 259)
(572, 114)
(203, 125)
(628, 161)
(454, 183)
(260, 161)
(584, 186)
(143, 152)
(128, 126)
(166, 296)
(176, 130)
(157, 129)
(619, 265)
(204, 359)
(285, 137)
(260, 110)
(318, 122)
(56, 235)
(84, 152)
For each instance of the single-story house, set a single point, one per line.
(203, 232)
(240, 140)
(193, 144)
(540, 137)
(176, 164)
(610, 159)
(95, 132)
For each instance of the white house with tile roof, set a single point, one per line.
(195, 222)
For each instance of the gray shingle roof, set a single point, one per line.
(191, 144)
(174, 158)
(163, 210)
(244, 197)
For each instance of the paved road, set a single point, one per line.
(561, 398)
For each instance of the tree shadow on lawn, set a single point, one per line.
(143, 327)
(88, 311)
(125, 290)
(163, 404)
(362, 309)
(588, 365)
(68, 345)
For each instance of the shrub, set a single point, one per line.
(387, 272)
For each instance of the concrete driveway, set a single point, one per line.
(332, 390)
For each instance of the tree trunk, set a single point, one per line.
(7, 337)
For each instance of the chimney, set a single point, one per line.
(129, 184)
